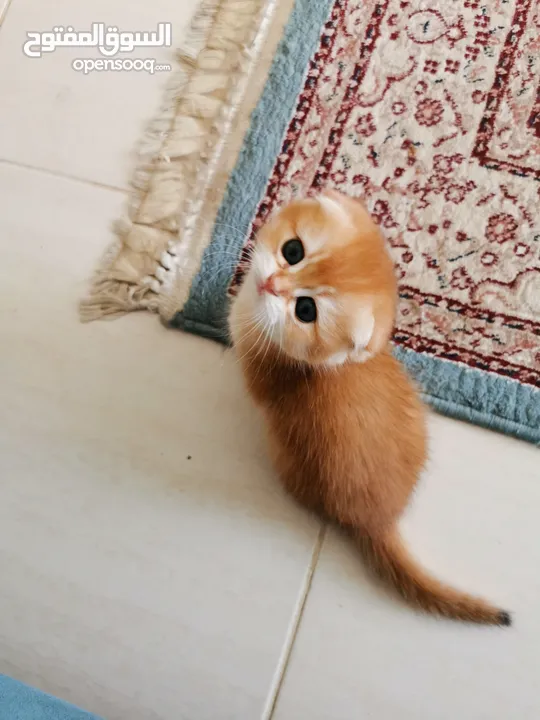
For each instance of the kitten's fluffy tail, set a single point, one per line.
(391, 561)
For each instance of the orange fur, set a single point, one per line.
(347, 427)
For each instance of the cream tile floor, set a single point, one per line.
(150, 565)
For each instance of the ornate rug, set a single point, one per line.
(431, 114)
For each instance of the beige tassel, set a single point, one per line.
(172, 158)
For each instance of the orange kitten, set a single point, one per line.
(311, 325)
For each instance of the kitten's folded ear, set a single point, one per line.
(384, 310)
(334, 204)
(345, 207)
(374, 324)
(334, 195)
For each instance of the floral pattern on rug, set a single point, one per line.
(432, 117)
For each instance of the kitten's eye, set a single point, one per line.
(293, 251)
(306, 310)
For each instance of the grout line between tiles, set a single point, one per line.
(292, 631)
(62, 176)
(4, 11)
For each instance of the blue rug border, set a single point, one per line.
(453, 389)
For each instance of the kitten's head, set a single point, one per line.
(321, 285)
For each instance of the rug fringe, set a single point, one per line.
(185, 135)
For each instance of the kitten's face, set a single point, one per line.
(321, 284)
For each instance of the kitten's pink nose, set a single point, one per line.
(267, 286)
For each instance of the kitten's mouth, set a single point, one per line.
(266, 286)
